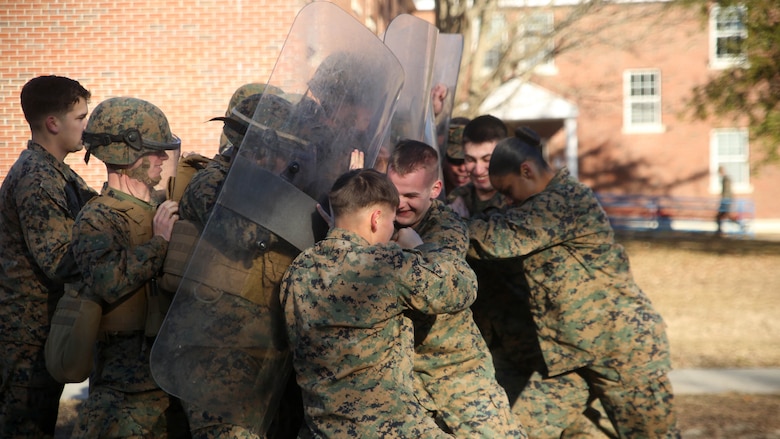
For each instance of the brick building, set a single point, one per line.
(186, 57)
(612, 110)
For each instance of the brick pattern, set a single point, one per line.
(186, 57)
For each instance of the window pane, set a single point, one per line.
(729, 46)
(643, 112)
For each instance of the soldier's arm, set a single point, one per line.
(541, 222)
(434, 285)
(103, 252)
(47, 225)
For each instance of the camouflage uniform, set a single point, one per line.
(123, 399)
(196, 205)
(352, 346)
(474, 205)
(452, 363)
(40, 198)
(593, 322)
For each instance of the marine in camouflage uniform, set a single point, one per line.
(267, 268)
(473, 203)
(344, 301)
(453, 367)
(39, 200)
(594, 324)
(119, 242)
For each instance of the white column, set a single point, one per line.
(572, 145)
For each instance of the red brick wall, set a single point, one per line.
(186, 57)
(675, 161)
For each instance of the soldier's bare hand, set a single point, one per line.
(356, 159)
(407, 238)
(167, 214)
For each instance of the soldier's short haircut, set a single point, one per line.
(50, 95)
(485, 128)
(361, 188)
(411, 155)
(511, 152)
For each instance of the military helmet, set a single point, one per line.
(241, 94)
(248, 90)
(121, 130)
(264, 112)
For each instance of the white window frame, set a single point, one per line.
(527, 25)
(725, 61)
(535, 26)
(629, 126)
(736, 161)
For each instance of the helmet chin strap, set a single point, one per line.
(139, 174)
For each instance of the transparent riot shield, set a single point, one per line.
(413, 41)
(446, 68)
(223, 345)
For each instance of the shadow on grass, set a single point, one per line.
(701, 242)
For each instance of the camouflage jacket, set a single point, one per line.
(452, 362)
(39, 200)
(115, 269)
(344, 301)
(447, 341)
(201, 193)
(583, 298)
(474, 205)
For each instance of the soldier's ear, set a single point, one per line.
(52, 124)
(376, 215)
(436, 189)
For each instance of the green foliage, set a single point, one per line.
(751, 90)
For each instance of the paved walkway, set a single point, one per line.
(702, 381)
(685, 382)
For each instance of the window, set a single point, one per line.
(533, 44)
(496, 36)
(642, 101)
(729, 147)
(537, 43)
(727, 36)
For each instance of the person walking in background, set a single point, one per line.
(726, 207)
(593, 323)
(39, 200)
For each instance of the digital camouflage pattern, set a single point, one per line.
(39, 200)
(196, 205)
(455, 142)
(472, 202)
(111, 413)
(590, 315)
(452, 363)
(116, 116)
(201, 193)
(119, 258)
(344, 302)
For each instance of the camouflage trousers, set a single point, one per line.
(470, 404)
(109, 413)
(29, 396)
(285, 424)
(572, 405)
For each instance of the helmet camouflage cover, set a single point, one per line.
(121, 130)
(274, 111)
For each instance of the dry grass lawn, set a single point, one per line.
(720, 299)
